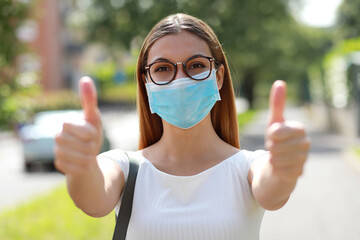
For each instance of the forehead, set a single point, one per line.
(178, 47)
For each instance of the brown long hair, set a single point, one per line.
(223, 114)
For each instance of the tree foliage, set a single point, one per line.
(261, 38)
(349, 19)
(11, 15)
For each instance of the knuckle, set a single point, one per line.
(60, 155)
(59, 138)
(296, 127)
(299, 158)
(277, 130)
(269, 145)
(305, 146)
(56, 151)
(301, 131)
(59, 165)
(274, 161)
(307, 143)
(274, 128)
(298, 171)
(92, 146)
(92, 129)
(304, 158)
(87, 134)
(89, 127)
(66, 126)
(276, 154)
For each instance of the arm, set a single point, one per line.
(93, 183)
(274, 177)
(97, 191)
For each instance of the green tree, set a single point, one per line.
(261, 38)
(11, 15)
(349, 19)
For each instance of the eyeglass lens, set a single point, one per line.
(164, 72)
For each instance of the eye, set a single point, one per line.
(162, 69)
(196, 65)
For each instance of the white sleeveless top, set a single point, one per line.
(214, 204)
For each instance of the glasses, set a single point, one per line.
(162, 71)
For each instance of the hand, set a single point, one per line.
(77, 145)
(286, 141)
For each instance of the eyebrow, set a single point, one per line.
(160, 59)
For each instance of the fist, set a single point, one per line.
(77, 145)
(285, 140)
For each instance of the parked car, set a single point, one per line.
(38, 137)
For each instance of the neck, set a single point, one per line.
(189, 143)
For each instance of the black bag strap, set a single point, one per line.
(124, 215)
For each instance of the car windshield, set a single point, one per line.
(45, 118)
(52, 121)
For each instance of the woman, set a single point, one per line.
(194, 182)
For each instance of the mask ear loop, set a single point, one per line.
(215, 72)
(215, 80)
(216, 67)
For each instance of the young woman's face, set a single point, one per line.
(178, 48)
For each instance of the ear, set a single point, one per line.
(220, 76)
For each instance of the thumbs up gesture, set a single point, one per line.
(77, 145)
(285, 140)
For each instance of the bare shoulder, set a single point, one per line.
(112, 165)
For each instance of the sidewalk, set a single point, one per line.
(325, 204)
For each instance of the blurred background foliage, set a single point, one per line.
(349, 19)
(12, 15)
(262, 40)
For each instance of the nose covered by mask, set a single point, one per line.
(184, 102)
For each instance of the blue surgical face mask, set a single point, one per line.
(184, 102)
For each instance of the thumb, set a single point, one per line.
(89, 103)
(277, 102)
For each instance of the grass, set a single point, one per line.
(356, 150)
(51, 217)
(245, 118)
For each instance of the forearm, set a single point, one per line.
(93, 185)
(92, 191)
(274, 177)
(87, 190)
(269, 189)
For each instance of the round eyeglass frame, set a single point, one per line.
(211, 59)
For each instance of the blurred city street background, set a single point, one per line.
(47, 45)
(325, 201)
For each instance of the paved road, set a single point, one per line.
(326, 202)
(324, 205)
(17, 186)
